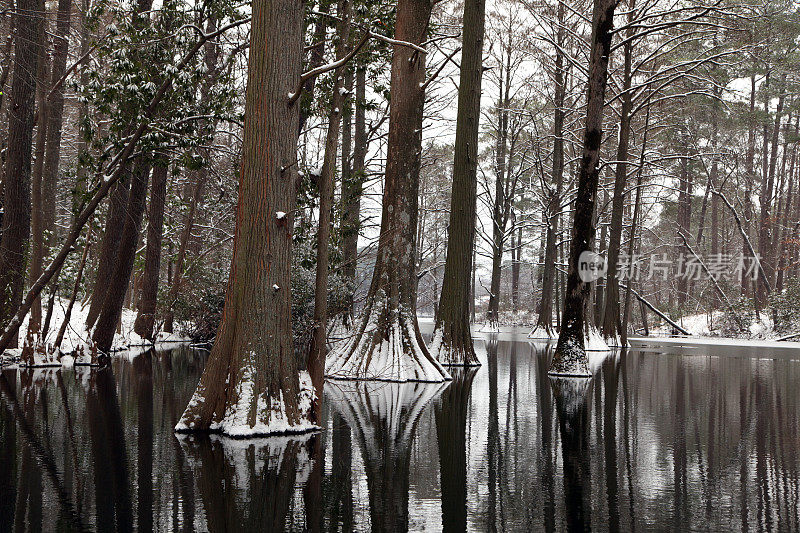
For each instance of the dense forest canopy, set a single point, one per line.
(370, 162)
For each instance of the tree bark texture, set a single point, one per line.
(386, 343)
(452, 344)
(148, 297)
(111, 310)
(17, 173)
(570, 355)
(250, 384)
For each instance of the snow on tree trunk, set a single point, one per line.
(570, 357)
(386, 342)
(383, 418)
(251, 384)
(452, 344)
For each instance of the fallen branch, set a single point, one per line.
(103, 188)
(654, 309)
(788, 337)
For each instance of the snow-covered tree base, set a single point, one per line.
(385, 351)
(271, 415)
(491, 326)
(593, 341)
(570, 360)
(449, 355)
(543, 333)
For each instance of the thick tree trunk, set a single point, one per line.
(251, 384)
(452, 339)
(570, 355)
(544, 322)
(516, 264)
(145, 318)
(611, 325)
(387, 343)
(111, 310)
(109, 247)
(319, 338)
(16, 218)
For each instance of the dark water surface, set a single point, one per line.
(661, 438)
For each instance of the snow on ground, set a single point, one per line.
(77, 340)
(710, 325)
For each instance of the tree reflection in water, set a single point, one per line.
(383, 417)
(450, 411)
(658, 439)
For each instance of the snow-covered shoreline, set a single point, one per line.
(76, 344)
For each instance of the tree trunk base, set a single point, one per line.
(271, 417)
(387, 347)
(544, 333)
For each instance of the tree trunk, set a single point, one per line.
(387, 343)
(37, 201)
(115, 220)
(783, 243)
(352, 186)
(17, 178)
(452, 339)
(683, 222)
(749, 177)
(544, 322)
(611, 325)
(111, 311)
(765, 224)
(250, 384)
(570, 355)
(145, 318)
(516, 263)
(55, 120)
(319, 338)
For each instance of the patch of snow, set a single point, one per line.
(280, 215)
(593, 341)
(271, 415)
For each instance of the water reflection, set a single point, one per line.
(655, 440)
(383, 417)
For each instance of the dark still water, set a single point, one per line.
(657, 440)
